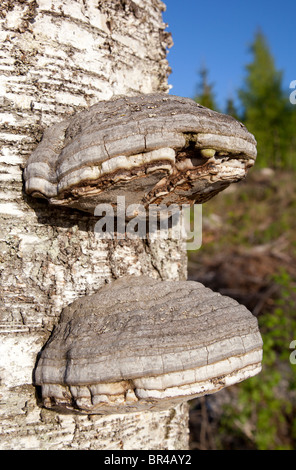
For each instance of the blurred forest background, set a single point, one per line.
(249, 253)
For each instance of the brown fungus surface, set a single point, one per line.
(143, 344)
(153, 148)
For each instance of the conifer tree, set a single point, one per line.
(205, 94)
(267, 111)
(231, 109)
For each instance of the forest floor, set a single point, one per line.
(249, 253)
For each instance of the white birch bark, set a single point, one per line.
(58, 57)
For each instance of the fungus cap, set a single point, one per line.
(153, 148)
(144, 344)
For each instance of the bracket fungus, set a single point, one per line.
(144, 344)
(153, 148)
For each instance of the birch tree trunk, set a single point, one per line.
(58, 57)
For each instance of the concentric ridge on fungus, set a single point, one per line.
(153, 148)
(144, 344)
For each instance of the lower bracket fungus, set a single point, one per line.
(153, 148)
(143, 344)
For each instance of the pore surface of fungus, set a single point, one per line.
(153, 148)
(145, 344)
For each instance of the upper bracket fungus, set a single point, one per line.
(153, 148)
(144, 344)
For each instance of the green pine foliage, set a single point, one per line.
(205, 95)
(268, 113)
(231, 109)
(263, 105)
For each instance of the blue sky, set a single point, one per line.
(219, 33)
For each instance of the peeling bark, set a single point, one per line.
(59, 57)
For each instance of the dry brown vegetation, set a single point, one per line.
(249, 253)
